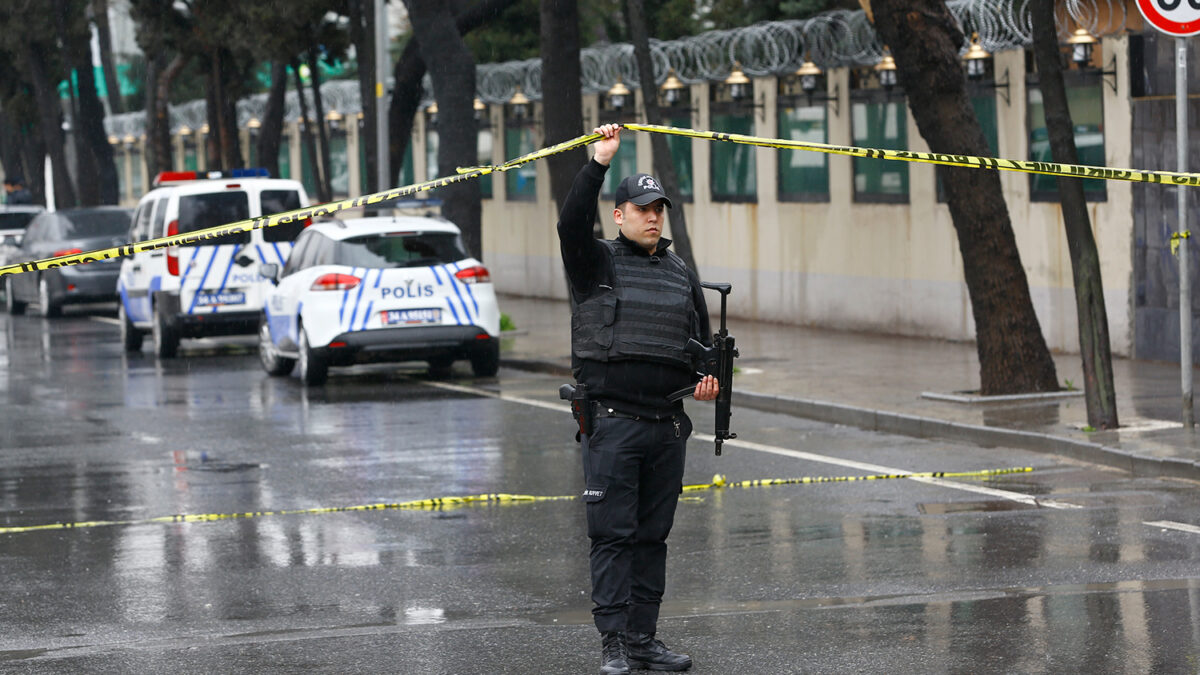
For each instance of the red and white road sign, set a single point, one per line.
(1173, 17)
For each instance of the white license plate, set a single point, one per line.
(392, 317)
(218, 298)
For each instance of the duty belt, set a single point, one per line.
(602, 409)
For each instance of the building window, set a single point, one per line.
(285, 155)
(803, 174)
(484, 144)
(984, 105)
(731, 169)
(1085, 101)
(339, 167)
(681, 155)
(879, 121)
(431, 152)
(520, 184)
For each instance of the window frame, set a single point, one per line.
(879, 96)
(797, 101)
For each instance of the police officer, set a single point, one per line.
(636, 306)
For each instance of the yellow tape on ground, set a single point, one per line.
(489, 498)
(968, 161)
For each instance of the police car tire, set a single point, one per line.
(49, 307)
(269, 357)
(14, 306)
(314, 368)
(166, 335)
(131, 337)
(486, 362)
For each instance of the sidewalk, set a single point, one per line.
(876, 381)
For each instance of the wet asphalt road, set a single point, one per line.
(1051, 571)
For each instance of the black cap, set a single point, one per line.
(13, 180)
(641, 189)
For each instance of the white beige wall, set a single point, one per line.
(889, 268)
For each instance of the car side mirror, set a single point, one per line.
(270, 271)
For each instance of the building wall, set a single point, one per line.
(889, 268)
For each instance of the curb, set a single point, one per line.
(929, 427)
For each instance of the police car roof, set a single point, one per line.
(357, 227)
(206, 186)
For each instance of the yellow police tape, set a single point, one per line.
(968, 161)
(719, 482)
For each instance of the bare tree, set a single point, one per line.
(664, 166)
(452, 69)
(1094, 347)
(562, 93)
(924, 38)
(270, 133)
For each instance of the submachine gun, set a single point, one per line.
(717, 361)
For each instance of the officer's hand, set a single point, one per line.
(706, 389)
(606, 147)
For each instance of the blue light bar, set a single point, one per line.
(256, 172)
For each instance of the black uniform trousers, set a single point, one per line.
(634, 474)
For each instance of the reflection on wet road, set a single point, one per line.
(937, 575)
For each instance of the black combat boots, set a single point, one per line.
(647, 653)
(613, 659)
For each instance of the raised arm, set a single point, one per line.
(581, 253)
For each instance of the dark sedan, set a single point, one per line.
(63, 233)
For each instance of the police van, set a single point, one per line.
(212, 287)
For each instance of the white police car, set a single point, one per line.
(385, 288)
(213, 287)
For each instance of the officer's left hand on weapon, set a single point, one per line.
(707, 389)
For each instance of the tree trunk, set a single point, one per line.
(453, 74)
(362, 35)
(111, 82)
(158, 134)
(402, 111)
(50, 119)
(664, 166)
(306, 136)
(270, 133)
(1098, 388)
(562, 100)
(324, 185)
(96, 169)
(212, 140)
(924, 38)
(228, 136)
(407, 75)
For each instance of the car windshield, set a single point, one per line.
(16, 220)
(106, 223)
(199, 212)
(277, 201)
(400, 249)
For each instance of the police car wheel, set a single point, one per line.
(166, 335)
(131, 337)
(46, 300)
(14, 306)
(314, 369)
(486, 362)
(271, 360)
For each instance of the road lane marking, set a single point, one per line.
(1172, 525)
(798, 454)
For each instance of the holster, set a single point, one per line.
(581, 408)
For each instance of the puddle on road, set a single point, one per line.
(944, 508)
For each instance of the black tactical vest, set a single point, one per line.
(648, 313)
